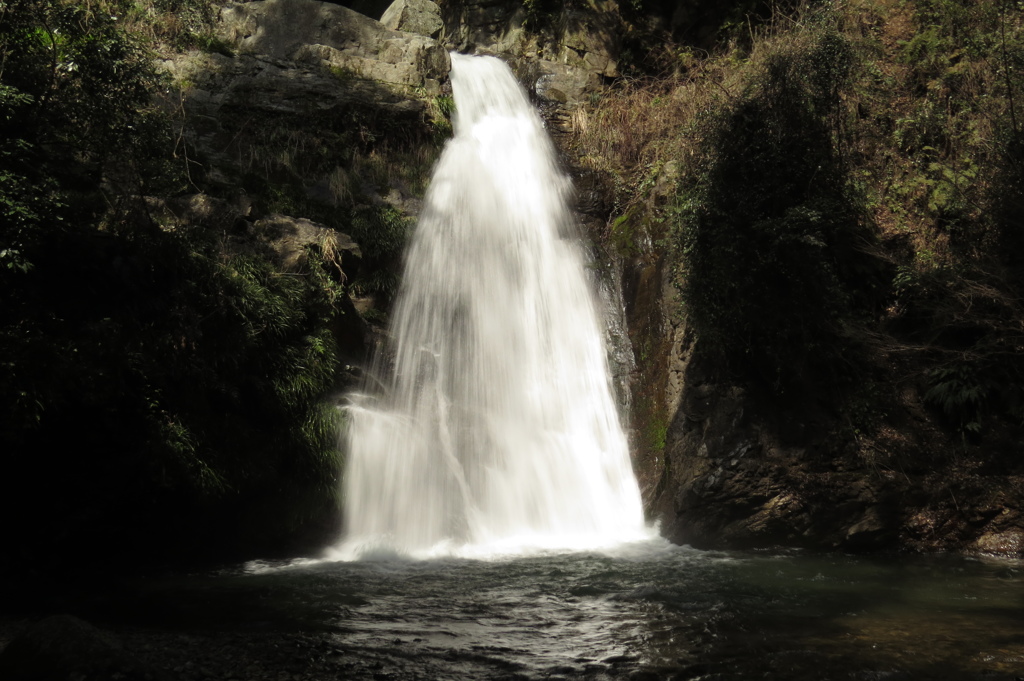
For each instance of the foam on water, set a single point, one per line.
(497, 431)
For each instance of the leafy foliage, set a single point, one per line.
(960, 295)
(957, 391)
(154, 389)
(381, 232)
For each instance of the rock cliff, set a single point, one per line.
(343, 112)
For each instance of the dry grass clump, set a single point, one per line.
(176, 24)
(634, 125)
(642, 123)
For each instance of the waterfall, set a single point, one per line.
(495, 425)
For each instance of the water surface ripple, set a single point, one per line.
(645, 611)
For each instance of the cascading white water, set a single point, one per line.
(497, 427)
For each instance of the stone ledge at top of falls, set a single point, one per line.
(298, 59)
(563, 64)
(304, 55)
(320, 33)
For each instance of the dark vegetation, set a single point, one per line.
(167, 373)
(161, 396)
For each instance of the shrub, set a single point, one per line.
(381, 232)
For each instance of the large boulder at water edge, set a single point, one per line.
(63, 647)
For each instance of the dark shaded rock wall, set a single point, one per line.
(736, 467)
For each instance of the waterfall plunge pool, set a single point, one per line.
(644, 611)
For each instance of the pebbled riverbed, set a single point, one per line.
(643, 612)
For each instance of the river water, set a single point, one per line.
(643, 611)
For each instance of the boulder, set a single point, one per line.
(414, 16)
(203, 209)
(592, 39)
(288, 237)
(297, 60)
(1009, 543)
(564, 84)
(342, 41)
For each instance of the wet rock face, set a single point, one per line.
(739, 473)
(741, 470)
